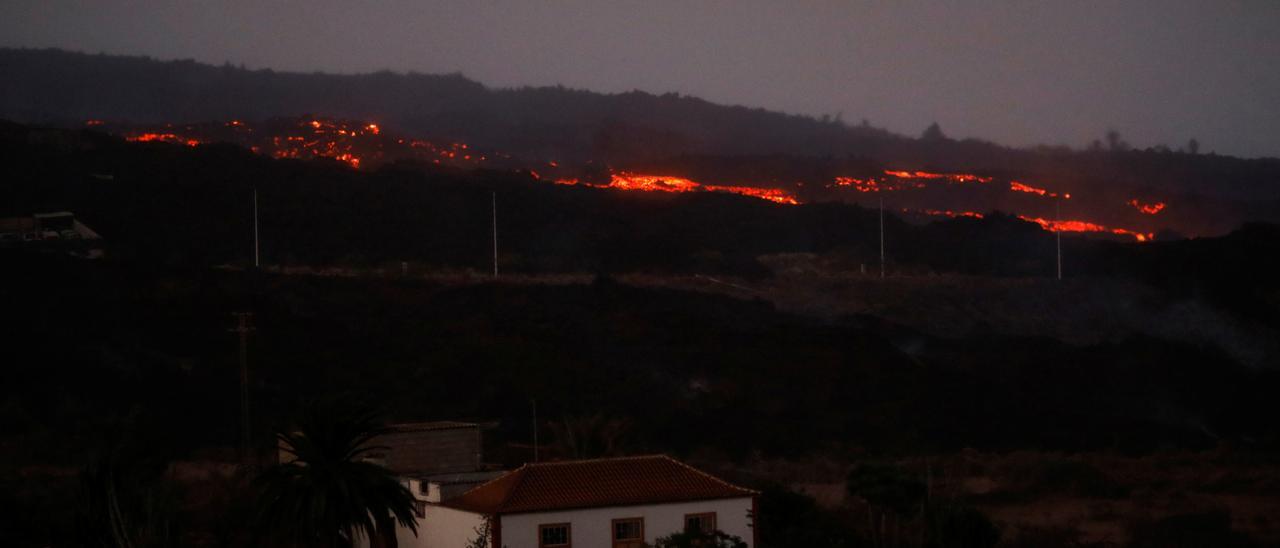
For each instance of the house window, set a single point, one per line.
(628, 533)
(704, 523)
(554, 535)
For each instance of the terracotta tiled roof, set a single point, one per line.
(595, 483)
(425, 426)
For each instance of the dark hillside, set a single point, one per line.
(151, 348)
(58, 87)
(162, 204)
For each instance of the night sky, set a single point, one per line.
(1018, 73)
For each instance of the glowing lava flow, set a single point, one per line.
(357, 144)
(162, 137)
(1083, 226)
(945, 213)
(873, 185)
(1020, 187)
(1047, 224)
(951, 177)
(772, 194)
(625, 180)
(902, 180)
(1149, 209)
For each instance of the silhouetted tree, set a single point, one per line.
(483, 532)
(589, 436)
(124, 506)
(1114, 142)
(329, 495)
(1193, 146)
(886, 487)
(954, 525)
(933, 133)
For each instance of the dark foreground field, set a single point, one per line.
(1107, 437)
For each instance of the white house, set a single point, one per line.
(618, 503)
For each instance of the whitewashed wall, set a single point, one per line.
(447, 528)
(439, 528)
(593, 527)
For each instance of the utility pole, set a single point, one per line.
(256, 256)
(244, 321)
(535, 429)
(1057, 232)
(881, 237)
(495, 234)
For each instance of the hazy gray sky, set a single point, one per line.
(1014, 72)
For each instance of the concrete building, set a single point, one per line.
(618, 502)
(56, 231)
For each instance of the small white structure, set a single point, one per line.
(618, 503)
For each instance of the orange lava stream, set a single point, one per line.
(162, 137)
(625, 180)
(1084, 226)
(354, 143)
(1149, 209)
(1047, 224)
(952, 177)
(1020, 187)
(945, 213)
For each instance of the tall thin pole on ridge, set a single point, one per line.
(882, 237)
(257, 262)
(1057, 232)
(495, 234)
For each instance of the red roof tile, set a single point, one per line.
(595, 483)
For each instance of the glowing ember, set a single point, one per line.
(1047, 224)
(1149, 209)
(945, 213)
(632, 181)
(873, 185)
(625, 180)
(357, 144)
(162, 137)
(772, 194)
(951, 177)
(1020, 187)
(1084, 226)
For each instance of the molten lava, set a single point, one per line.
(1047, 224)
(1149, 209)
(1020, 187)
(625, 180)
(361, 144)
(1084, 226)
(874, 185)
(164, 138)
(950, 177)
(357, 144)
(945, 213)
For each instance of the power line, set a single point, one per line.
(882, 237)
(1057, 232)
(244, 321)
(495, 234)
(256, 256)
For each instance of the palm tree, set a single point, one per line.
(124, 503)
(330, 495)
